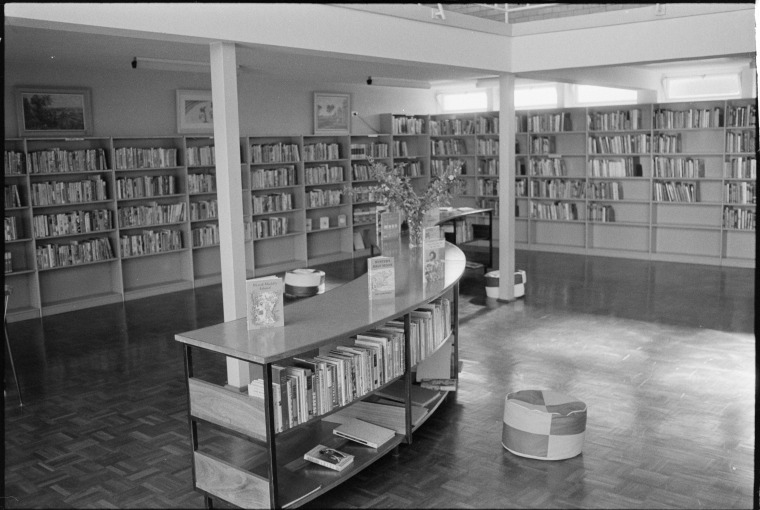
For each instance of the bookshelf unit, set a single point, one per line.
(249, 463)
(670, 181)
(203, 210)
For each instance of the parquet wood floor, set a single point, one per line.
(663, 354)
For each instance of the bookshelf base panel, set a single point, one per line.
(148, 290)
(230, 483)
(72, 304)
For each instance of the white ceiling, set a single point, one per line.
(68, 49)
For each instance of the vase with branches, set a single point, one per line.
(396, 190)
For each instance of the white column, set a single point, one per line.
(507, 129)
(229, 193)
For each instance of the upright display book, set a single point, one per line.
(434, 251)
(381, 277)
(329, 457)
(388, 226)
(364, 432)
(264, 302)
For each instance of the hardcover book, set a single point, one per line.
(364, 432)
(388, 226)
(264, 302)
(329, 457)
(434, 251)
(381, 277)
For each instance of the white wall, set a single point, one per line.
(141, 102)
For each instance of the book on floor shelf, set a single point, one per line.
(329, 457)
(364, 432)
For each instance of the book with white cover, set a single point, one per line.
(381, 277)
(329, 457)
(364, 432)
(264, 302)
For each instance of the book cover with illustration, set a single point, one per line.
(381, 277)
(264, 302)
(329, 457)
(388, 226)
(434, 251)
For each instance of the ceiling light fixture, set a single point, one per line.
(398, 82)
(164, 64)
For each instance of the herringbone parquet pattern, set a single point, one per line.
(663, 355)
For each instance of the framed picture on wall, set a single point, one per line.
(195, 112)
(45, 111)
(332, 113)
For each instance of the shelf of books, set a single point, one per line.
(382, 149)
(203, 211)
(671, 181)
(335, 395)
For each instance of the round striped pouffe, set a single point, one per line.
(543, 424)
(304, 282)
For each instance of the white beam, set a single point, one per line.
(229, 193)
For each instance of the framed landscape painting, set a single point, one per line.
(195, 111)
(53, 111)
(332, 113)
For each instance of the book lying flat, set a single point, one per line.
(329, 457)
(389, 416)
(364, 433)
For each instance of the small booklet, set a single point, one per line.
(381, 277)
(264, 302)
(329, 457)
(364, 432)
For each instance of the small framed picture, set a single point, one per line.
(324, 222)
(195, 111)
(53, 111)
(332, 113)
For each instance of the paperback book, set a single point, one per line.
(264, 302)
(434, 251)
(329, 457)
(381, 277)
(388, 226)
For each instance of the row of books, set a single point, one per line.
(547, 167)
(127, 158)
(740, 219)
(324, 197)
(201, 156)
(204, 210)
(409, 168)
(740, 193)
(438, 166)
(274, 153)
(544, 122)
(146, 186)
(619, 144)
(56, 193)
(620, 120)
(488, 187)
(13, 163)
(740, 142)
(150, 241)
(601, 213)
(374, 149)
(269, 227)
(556, 211)
(11, 229)
(477, 126)
(363, 194)
(152, 213)
(73, 253)
(273, 177)
(742, 116)
(364, 215)
(207, 235)
(60, 160)
(675, 192)
(408, 126)
(692, 118)
(488, 147)
(12, 196)
(541, 144)
(612, 190)
(323, 174)
(400, 149)
(324, 222)
(72, 222)
(454, 147)
(8, 262)
(679, 167)
(557, 188)
(741, 168)
(201, 183)
(622, 167)
(461, 233)
(321, 151)
(488, 167)
(361, 172)
(489, 203)
(272, 202)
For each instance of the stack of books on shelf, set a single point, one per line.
(71, 222)
(201, 156)
(740, 193)
(273, 177)
(274, 153)
(321, 151)
(201, 183)
(204, 210)
(408, 125)
(207, 235)
(324, 197)
(155, 157)
(12, 196)
(739, 168)
(8, 262)
(269, 227)
(60, 161)
(675, 192)
(621, 120)
(739, 218)
(57, 193)
(150, 241)
(146, 186)
(13, 163)
(688, 119)
(11, 230)
(151, 213)
(601, 213)
(323, 174)
(272, 202)
(73, 253)
(364, 215)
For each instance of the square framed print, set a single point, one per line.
(332, 113)
(46, 111)
(195, 111)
